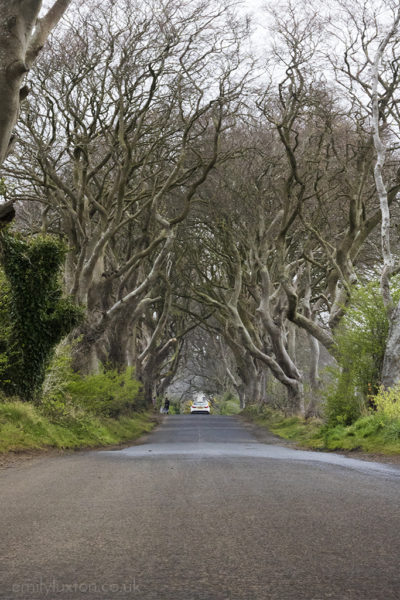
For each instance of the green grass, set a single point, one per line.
(374, 433)
(24, 427)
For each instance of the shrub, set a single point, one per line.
(387, 402)
(392, 431)
(342, 404)
(56, 403)
(360, 346)
(109, 393)
(174, 407)
(69, 395)
(228, 404)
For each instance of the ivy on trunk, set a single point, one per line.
(39, 314)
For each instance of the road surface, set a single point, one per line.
(201, 510)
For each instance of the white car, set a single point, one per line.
(200, 406)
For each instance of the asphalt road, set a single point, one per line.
(202, 510)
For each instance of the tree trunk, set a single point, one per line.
(149, 390)
(22, 37)
(253, 392)
(291, 341)
(86, 360)
(312, 409)
(295, 398)
(118, 340)
(85, 351)
(263, 387)
(391, 361)
(7, 213)
(242, 396)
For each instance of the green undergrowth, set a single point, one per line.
(374, 432)
(24, 426)
(228, 404)
(76, 411)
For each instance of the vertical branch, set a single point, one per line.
(380, 161)
(43, 28)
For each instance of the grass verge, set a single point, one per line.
(24, 427)
(374, 433)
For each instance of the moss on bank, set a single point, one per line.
(375, 433)
(24, 427)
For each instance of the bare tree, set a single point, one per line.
(287, 242)
(391, 363)
(329, 186)
(128, 132)
(369, 72)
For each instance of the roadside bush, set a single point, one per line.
(228, 404)
(342, 404)
(174, 407)
(185, 407)
(387, 402)
(56, 403)
(360, 346)
(392, 431)
(69, 395)
(109, 393)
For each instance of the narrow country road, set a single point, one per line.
(201, 510)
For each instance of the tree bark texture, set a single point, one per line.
(391, 361)
(22, 36)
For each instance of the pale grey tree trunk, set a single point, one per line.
(312, 408)
(118, 339)
(295, 398)
(242, 396)
(86, 360)
(291, 341)
(263, 391)
(391, 362)
(22, 36)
